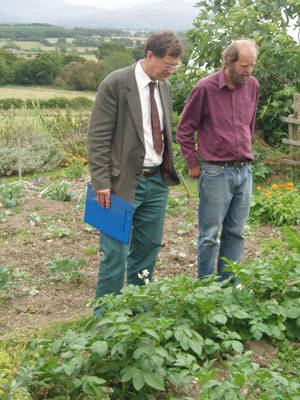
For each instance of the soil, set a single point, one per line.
(39, 299)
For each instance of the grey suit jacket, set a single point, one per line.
(115, 144)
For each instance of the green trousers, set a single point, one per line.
(146, 237)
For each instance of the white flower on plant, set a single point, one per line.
(143, 276)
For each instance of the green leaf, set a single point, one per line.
(237, 346)
(154, 380)
(151, 333)
(99, 348)
(240, 314)
(162, 352)
(220, 318)
(138, 380)
(196, 347)
(293, 312)
(128, 373)
(76, 384)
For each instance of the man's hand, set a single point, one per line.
(103, 197)
(194, 173)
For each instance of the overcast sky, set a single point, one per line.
(111, 4)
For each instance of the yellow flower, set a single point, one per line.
(268, 195)
(289, 184)
(288, 188)
(295, 190)
(278, 202)
(258, 188)
(275, 187)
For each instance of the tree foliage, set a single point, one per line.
(82, 76)
(266, 22)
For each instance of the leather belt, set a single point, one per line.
(234, 164)
(146, 172)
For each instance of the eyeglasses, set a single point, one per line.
(170, 66)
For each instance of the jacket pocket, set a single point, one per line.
(115, 171)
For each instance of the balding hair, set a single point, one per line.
(231, 53)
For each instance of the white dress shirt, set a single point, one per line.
(143, 80)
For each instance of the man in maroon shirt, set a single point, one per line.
(221, 109)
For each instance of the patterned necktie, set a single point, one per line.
(155, 122)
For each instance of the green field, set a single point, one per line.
(23, 92)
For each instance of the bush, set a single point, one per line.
(37, 154)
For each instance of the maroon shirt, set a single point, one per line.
(223, 118)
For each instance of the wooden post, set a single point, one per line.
(19, 158)
(294, 130)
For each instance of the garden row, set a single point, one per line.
(153, 341)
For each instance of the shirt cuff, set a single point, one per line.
(193, 162)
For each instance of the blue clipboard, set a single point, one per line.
(115, 222)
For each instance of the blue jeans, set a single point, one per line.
(225, 194)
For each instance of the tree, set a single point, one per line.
(45, 67)
(7, 71)
(266, 22)
(81, 76)
(107, 48)
(115, 61)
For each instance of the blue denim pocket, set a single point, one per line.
(211, 170)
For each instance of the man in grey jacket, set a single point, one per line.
(125, 159)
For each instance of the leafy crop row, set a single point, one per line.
(161, 336)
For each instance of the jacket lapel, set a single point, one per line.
(134, 103)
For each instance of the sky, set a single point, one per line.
(112, 4)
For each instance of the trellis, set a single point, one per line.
(293, 140)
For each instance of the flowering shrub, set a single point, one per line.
(75, 166)
(276, 205)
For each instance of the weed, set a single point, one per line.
(92, 250)
(10, 194)
(59, 191)
(66, 268)
(175, 204)
(56, 232)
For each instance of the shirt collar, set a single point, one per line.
(222, 80)
(141, 75)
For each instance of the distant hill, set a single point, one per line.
(172, 14)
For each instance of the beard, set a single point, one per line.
(237, 79)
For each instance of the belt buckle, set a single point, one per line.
(144, 172)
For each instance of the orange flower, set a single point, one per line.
(295, 190)
(288, 188)
(275, 187)
(278, 202)
(264, 190)
(280, 193)
(268, 195)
